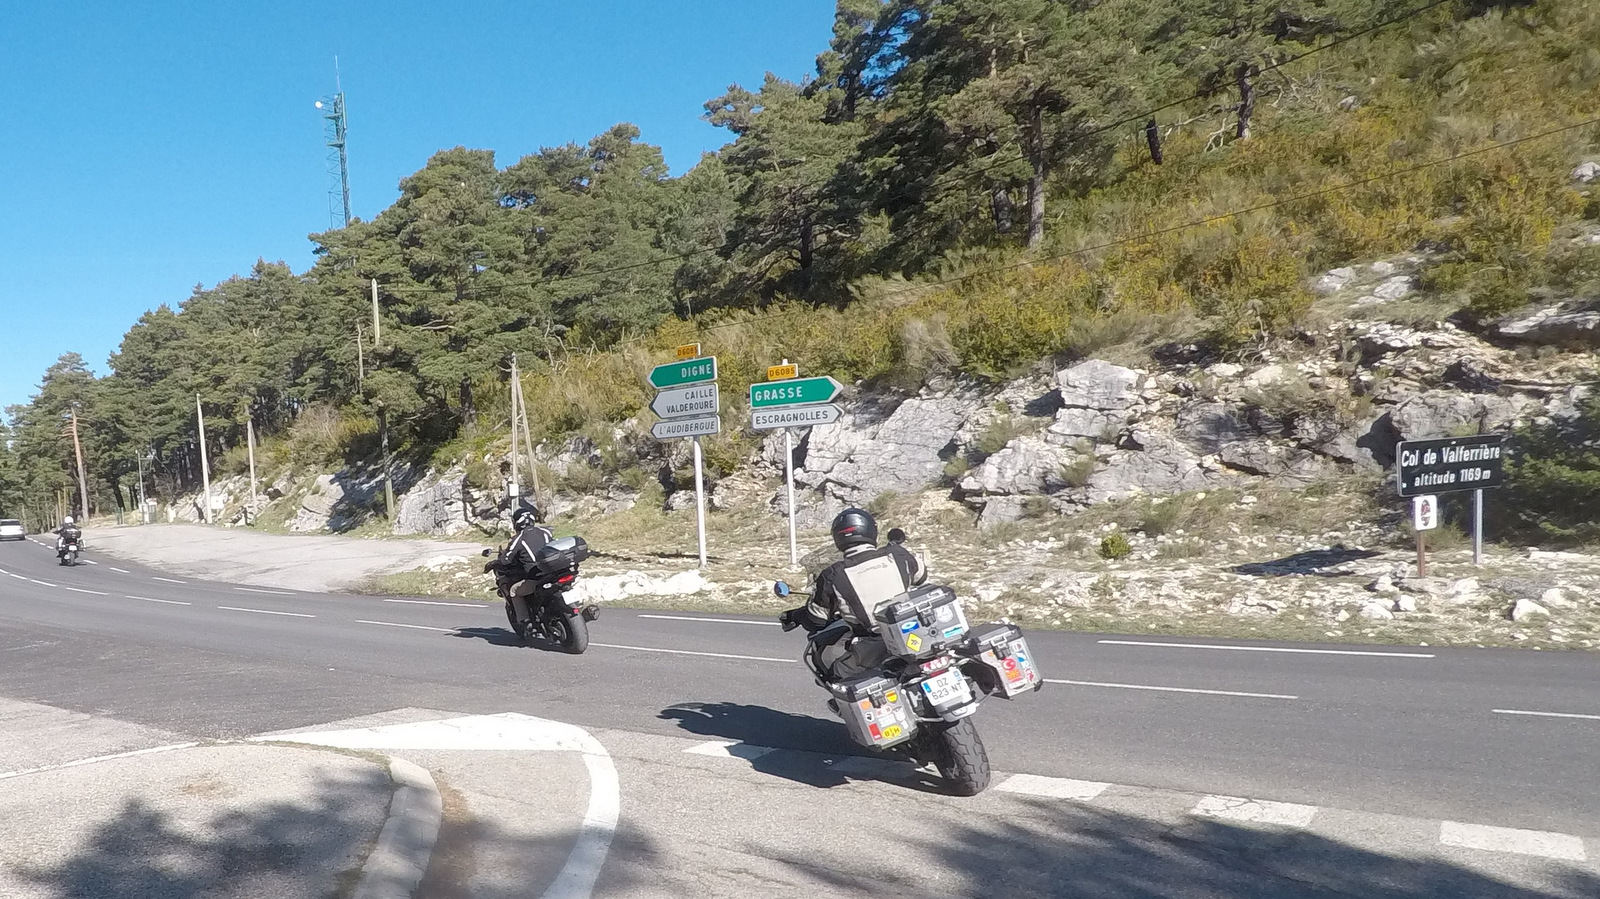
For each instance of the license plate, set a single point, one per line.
(947, 688)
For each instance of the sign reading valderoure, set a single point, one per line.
(1449, 464)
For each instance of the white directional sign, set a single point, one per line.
(686, 427)
(794, 416)
(686, 402)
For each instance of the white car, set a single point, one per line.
(11, 529)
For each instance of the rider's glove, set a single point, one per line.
(788, 622)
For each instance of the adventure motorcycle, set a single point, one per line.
(67, 553)
(918, 705)
(555, 570)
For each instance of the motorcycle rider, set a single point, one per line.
(68, 533)
(531, 537)
(848, 592)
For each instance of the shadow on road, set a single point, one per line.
(1314, 562)
(288, 849)
(1056, 849)
(826, 756)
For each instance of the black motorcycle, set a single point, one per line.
(555, 618)
(68, 553)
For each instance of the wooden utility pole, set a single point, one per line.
(83, 479)
(205, 464)
(383, 414)
(361, 361)
(519, 422)
(250, 443)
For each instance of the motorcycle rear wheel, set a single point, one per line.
(957, 751)
(569, 631)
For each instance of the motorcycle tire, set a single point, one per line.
(569, 631)
(957, 751)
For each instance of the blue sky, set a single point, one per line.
(149, 147)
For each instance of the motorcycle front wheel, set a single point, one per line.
(957, 751)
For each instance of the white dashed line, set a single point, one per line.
(1254, 811)
(118, 570)
(729, 749)
(90, 562)
(42, 583)
(266, 612)
(1546, 714)
(416, 627)
(273, 592)
(17, 576)
(81, 590)
(712, 620)
(1052, 787)
(166, 579)
(170, 602)
(1509, 839)
(1319, 652)
(96, 759)
(686, 652)
(433, 602)
(1085, 683)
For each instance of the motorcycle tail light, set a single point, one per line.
(933, 665)
(565, 579)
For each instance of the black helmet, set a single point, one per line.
(854, 527)
(525, 517)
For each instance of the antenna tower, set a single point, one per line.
(333, 135)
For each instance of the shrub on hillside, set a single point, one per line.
(1552, 488)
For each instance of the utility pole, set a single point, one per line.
(250, 442)
(138, 461)
(205, 464)
(83, 480)
(519, 422)
(383, 414)
(361, 361)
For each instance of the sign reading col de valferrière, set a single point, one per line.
(1449, 465)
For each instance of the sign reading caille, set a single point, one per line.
(686, 402)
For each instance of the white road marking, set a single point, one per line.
(686, 652)
(509, 731)
(273, 592)
(1052, 787)
(431, 602)
(81, 590)
(90, 562)
(419, 627)
(42, 583)
(1509, 839)
(167, 579)
(713, 620)
(118, 570)
(266, 612)
(729, 749)
(1319, 652)
(1255, 811)
(170, 602)
(17, 576)
(99, 758)
(1086, 683)
(1545, 714)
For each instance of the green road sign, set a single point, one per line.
(800, 391)
(689, 371)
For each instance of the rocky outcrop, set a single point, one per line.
(860, 458)
(1553, 325)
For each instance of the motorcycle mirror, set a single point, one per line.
(780, 588)
(897, 536)
(487, 553)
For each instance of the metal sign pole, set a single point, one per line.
(1477, 528)
(700, 501)
(1422, 557)
(788, 476)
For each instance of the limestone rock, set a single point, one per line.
(1374, 611)
(1556, 598)
(1586, 172)
(1094, 384)
(1553, 325)
(904, 453)
(1405, 603)
(1527, 608)
(1027, 465)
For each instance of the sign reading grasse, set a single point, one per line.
(1449, 464)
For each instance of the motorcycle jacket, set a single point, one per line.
(69, 534)
(519, 555)
(854, 587)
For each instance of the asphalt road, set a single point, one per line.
(1441, 733)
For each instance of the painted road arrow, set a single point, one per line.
(686, 402)
(798, 392)
(794, 417)
(686, 427)
(677, 374)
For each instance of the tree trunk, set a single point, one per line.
(1247, 98)
(469, 410)
(1152, 136)
(1036, 181)
(1003, 210)
(807, 243)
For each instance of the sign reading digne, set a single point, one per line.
(1449, 464)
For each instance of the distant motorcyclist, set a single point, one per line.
(69, 532)
(531, 537)
(848, 592)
